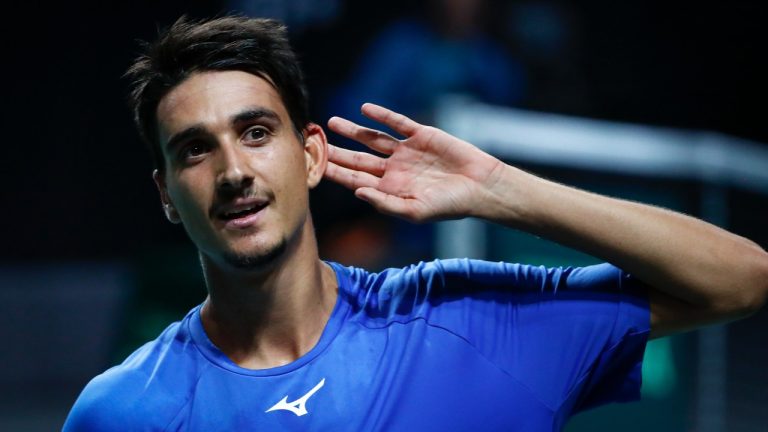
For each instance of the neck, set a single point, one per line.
(272, 315)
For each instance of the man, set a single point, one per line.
(285, 340)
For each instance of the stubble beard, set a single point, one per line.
(256, 261)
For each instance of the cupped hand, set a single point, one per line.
(428, 175)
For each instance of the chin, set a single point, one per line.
(255, 261)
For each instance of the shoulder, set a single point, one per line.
(414, 289)
(461, 275)
(146, 390)
(455, 285)
(472, 276)
(108, 402)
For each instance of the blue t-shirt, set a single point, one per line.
(445, 345)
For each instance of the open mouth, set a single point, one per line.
(241, 214)
(237, 214)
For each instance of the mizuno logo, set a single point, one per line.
(299, 406)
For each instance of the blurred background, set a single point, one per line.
(660, 102)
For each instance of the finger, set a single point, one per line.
(396, 121)
(385, 203)
(377, 140)
(355, 160)
(349, 178)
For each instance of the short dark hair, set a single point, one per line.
(255, 45)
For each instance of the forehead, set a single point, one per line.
(209, 98)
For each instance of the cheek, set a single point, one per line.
(287, 169)
(291, 181)
(189, 197)
(298, 176)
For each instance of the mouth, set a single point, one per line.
(241, 213)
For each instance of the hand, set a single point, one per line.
(429, 175)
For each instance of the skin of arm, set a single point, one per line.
(697, 273)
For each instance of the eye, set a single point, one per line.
(194, 150)
(256, 134)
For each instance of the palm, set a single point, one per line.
(428, 175)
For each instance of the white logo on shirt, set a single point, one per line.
(299, 406)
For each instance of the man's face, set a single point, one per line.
(236, 174)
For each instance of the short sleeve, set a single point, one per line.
(97, 410)
(118, 400)
(616, 375)
(575, 337)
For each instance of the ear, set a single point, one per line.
(168, 208)
(315, 152)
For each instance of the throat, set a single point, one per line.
(272, 325)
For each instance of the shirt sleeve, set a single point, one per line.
(117, 400)
(575, 337)
(97, 410)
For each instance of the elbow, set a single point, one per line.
(755, 293)
(749, 293)
(762, 296)
(753, 304)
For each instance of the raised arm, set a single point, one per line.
(697, 273)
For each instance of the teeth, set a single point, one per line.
(243, 210)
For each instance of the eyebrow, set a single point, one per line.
(247, 115)
(251, 114)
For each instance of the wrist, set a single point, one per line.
(508, 197)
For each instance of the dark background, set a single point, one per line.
(77, 185)
(78, 180)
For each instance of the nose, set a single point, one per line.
(233, 173)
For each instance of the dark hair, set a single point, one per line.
(254, 45)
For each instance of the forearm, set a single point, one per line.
(698, 274)
(686, 258)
